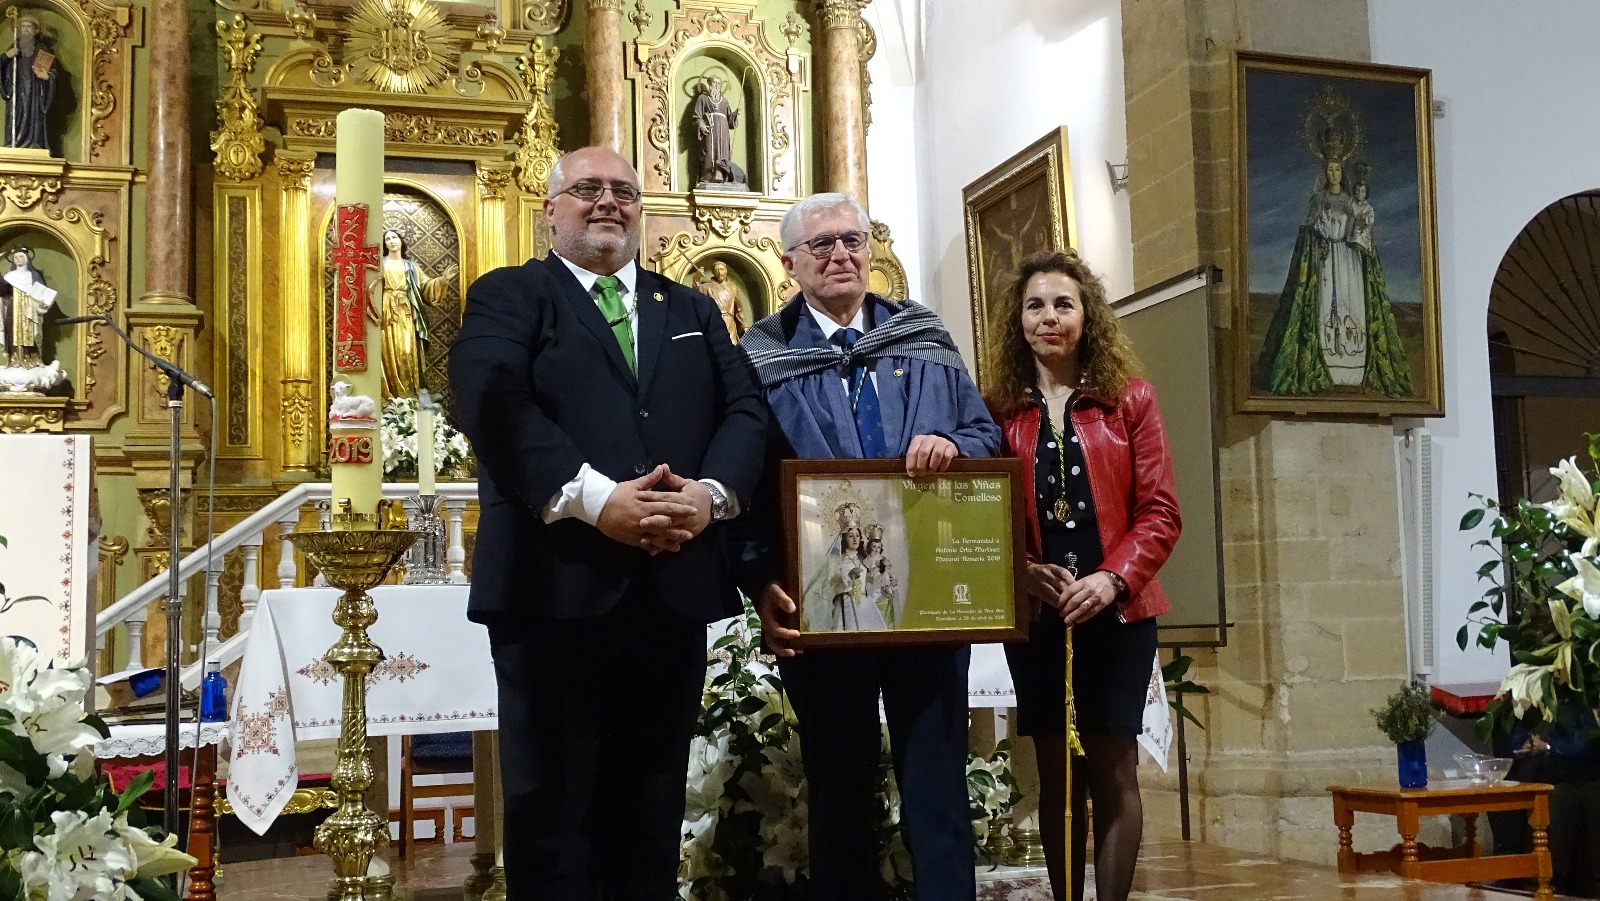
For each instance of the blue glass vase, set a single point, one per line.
(1412, 757)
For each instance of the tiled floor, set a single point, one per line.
(1168, 871)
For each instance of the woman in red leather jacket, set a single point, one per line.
(1104, 518)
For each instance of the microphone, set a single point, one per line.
(171, 371)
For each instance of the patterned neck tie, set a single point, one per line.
(616, 316)
(864, 401)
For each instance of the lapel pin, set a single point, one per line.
(659, 297)
(899, 372)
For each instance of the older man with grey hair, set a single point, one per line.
(849, 374)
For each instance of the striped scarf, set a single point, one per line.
(915, 331)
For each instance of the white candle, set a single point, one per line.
(425, 465)
(358, 177)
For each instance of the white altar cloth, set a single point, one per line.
(435, 676)
(150, 739)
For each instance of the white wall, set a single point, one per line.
(982, 87)
(892, 187)
(1522, 125)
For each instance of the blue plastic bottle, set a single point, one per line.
(213, 694)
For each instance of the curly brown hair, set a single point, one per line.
(1106, 359)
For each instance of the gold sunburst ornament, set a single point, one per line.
(402, 46)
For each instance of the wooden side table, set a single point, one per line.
(1463, 863)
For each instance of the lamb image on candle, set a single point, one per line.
(351, 411)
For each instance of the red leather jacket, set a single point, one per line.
(1130, 478)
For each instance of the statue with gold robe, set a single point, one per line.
(405, 330)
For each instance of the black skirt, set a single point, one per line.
(1111, 660)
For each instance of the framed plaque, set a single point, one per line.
(876, 558)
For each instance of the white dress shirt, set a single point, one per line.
(828, 326)
(586, 494)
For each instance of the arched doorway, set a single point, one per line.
(1544, 345)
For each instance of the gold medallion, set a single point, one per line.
(1063, 510)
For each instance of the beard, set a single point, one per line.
(601, 245)
(26, 44)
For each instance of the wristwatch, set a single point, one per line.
(719, 501)
(1116, 581)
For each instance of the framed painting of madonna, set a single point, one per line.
(1336, 296)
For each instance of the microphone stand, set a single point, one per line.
(176, 380)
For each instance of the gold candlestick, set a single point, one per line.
(352, 836)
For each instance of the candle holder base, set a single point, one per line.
(353, 835)
(425, 561)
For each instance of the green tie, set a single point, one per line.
(616, 316)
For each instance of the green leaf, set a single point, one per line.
(1188, 715)
(1471, 519)
(135, 790)
(1488, 569)
(152, 889)
(1461, 638)
(98, 724)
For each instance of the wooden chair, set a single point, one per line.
(446, 754)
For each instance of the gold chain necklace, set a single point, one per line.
(1062, 507)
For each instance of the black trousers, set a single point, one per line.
(835, 697)
(596, 716)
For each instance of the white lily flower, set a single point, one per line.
(82, 860)
(1525, 684)
(152, 858)
(57, 729)
(1585, 586)
(1575, 486)
(18, 664)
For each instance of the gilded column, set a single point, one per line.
(494, 225)
(169, 216)
(296, 311)
(602, 47)
(843, 99)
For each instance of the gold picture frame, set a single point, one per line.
(1021, 206)
(1336, 290)
(878, 559)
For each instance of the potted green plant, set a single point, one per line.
(1406, 718)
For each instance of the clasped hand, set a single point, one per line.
(1075, 599)
(639, 515)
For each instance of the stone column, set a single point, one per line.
(168, 214)
(602, 48)
(842, 106)
(295, 312)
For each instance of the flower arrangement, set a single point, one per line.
(1543, 600)
(397, 429)
(65, 836)
(744, 829)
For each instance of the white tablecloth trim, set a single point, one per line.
(150, 739)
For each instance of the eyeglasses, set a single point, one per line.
(821, 246)
(592, 191)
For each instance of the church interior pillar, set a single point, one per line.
(296, 311)
(602, 48)
(169, 216)
(842, 107)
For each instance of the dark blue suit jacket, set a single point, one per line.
(541, 388)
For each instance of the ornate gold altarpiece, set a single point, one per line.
(480, 99)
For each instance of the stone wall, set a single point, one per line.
(1309, 506)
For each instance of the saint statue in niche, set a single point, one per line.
(726, 296)
(28, 73)
(24, 301)
(714, 120)
(405, 288)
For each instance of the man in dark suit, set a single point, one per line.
(615, 426)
